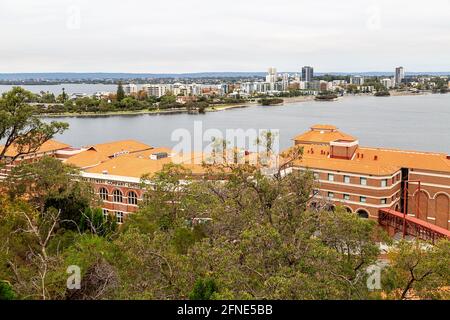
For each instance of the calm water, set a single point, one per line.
(409, 122)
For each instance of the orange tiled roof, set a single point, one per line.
(139, 163)
(96, 154)
(322, 134)
(48, 146)
(373, 161)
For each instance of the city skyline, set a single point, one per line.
(77, 36)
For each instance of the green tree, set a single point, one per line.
(418, 270)
(49, 183)
(20, 127)
(204, 289)
(6, 291)
(120, 95)
(95, 222)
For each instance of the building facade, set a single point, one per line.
(399, 75)
(364, 180)
(307, 73)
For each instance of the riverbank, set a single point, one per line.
(213, 108)
(216, 108)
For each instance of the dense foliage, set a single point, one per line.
(248, 236)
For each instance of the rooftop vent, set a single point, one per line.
(158, 155)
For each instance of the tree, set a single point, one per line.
(49, 183)
(120, 92)
(204, 289)
(20, 127)
(95, 222)
(418, 270)
(6, 291)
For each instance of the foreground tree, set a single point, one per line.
(418, 271)
(49, 183)
(20, 128)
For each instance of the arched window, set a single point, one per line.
(348, 209)
(103, 194)
(117, 196)
(132, 198)
(363, 214)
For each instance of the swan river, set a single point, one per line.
(406, 122)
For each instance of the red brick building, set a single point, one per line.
(365, 180)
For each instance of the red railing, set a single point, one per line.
(411, 226)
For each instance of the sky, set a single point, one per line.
(180, 36)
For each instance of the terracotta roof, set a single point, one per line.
(322, 134)
(48, 146)
(373, 161)
(324, 127)
(96, 154)
(139, 163)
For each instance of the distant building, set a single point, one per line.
(307, 73)
(272, 75)
(387, 83)
(154, 90)
(399, 75)
(357, 80)
(130, 88)
(285, 82)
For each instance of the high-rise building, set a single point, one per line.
(272, 75)
(399, 75)
(307, 73)
(285, 82)
(130, 89)
(357, 80)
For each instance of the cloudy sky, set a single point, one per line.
(216, 35)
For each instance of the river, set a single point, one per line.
(405, 122)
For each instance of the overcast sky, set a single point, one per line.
(216, 35)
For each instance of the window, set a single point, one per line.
(362, 199)
(103, 194)
(330, 177)
(132, 198)
(119, 217)
(346, 179)
(316, 176)
(384, 183)
(105, 213)
(384, 201)
(346, 197)
(117, 196)
(363, 181)
(330, 195)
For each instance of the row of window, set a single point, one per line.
(118, 214)
(347, 179)
(362, 199)
(118, 196)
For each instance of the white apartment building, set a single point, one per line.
(387, 82)
(155, 90)
(130, 88)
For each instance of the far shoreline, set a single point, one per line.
(217, 108)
